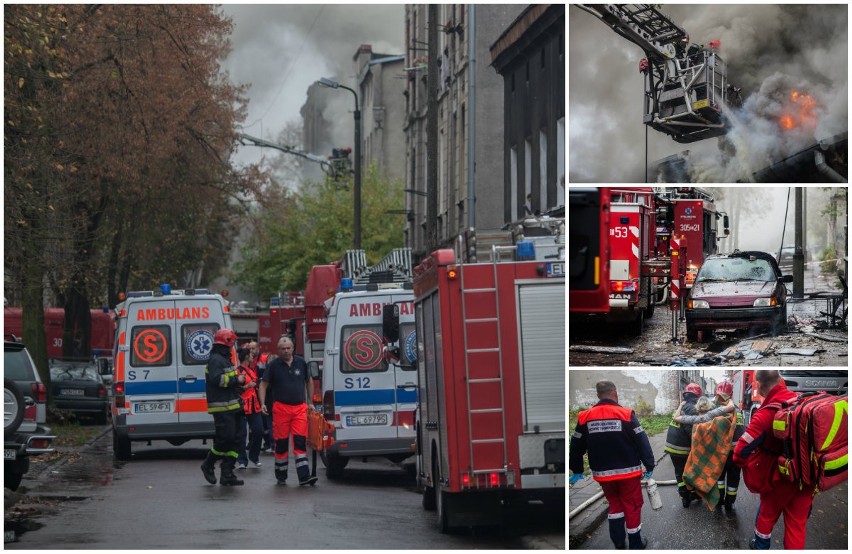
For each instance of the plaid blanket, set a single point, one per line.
(711, 443)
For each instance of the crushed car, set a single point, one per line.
(740, 290)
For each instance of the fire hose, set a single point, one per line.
(597, 496)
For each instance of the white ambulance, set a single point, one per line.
(369, 397)
(163, 342)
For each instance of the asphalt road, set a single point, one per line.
(695, 528)
(159, 500)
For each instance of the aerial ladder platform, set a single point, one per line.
(686, 86)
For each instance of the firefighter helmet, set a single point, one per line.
(693, 388)
(226, 337)
(725, 389)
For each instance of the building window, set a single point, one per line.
(560, 162)
(513, 189)
(542, 169)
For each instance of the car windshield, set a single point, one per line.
(75, 372)
(735, 269)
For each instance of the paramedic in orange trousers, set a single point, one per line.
(288, 376)
(785, 497)
(616, 444)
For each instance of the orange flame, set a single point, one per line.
(800, 111)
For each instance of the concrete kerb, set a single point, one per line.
(583, 524)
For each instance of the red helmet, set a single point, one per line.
(725, 389)
(226, 337)
(693, 388)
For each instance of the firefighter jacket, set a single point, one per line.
(251, 403)
(679, 436)
(615, 441)
(223, 393)
(759, 430)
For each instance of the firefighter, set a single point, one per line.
(616, 444)
(729, 481)
(679, 441)
(784, 496)
(288, 376)
(224, 388)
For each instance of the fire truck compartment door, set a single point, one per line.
(542, 351)
(619, 270)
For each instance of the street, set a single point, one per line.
(159, 500)
(654, 346)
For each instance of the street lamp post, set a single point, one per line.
(356, 225)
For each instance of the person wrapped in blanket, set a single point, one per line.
(712, 435)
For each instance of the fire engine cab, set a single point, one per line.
(491, 377)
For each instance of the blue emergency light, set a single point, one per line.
(346, 284)
(166, 289)
(525, 250)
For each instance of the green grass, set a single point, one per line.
(74, 434)
(653, 424)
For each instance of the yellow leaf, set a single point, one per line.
(20, 82)
(59, 167)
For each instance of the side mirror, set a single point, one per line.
(104, 367)
(314, 370)
(390, 322)
(786, 278)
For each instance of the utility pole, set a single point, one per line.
(798, 255)
(432, 132)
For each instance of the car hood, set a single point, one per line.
(732, 292)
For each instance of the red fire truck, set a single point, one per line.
(691, 213)
(632, 240)
(589, 257)
(101, 332)
(491, 378)
(747, 398)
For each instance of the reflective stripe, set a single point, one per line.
(748, 438)
(761, 535)
(639, 430)
(732, 492)
(577, 435)
(839, 462)
(779, 425)
(634, 531)
(619, 515)
(681, 484)
(839, 409)
(675, 449)
(611, 472)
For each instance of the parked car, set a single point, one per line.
(741, 290)
(785, 259)
(24, 413)
(77, 386)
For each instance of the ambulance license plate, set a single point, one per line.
(152, 407)
(556, 269)
(73, 392)
(10, 454)
(372, 419)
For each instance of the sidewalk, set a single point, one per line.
(582, 525)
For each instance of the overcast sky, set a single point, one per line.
(280, 50)
(770, 50)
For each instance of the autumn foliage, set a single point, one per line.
(119, 126)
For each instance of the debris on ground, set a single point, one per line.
(826, 337)
(747, 350)
(800, 351)
(601, 349)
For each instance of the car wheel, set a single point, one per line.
(429, 492)
(13, 407)
(440, 500)
(120, 447)
(12, 479)
(691, 334)
(334, 465)
(638, 323)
